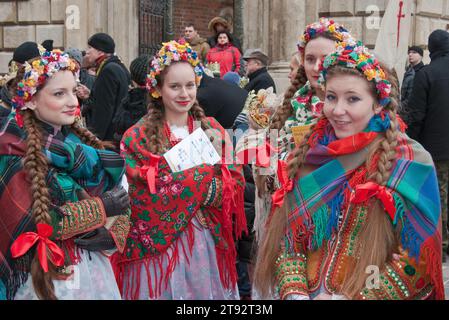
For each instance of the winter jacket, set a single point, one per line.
(132, 109)
(235, 41)
(201, 46)
(429, 107)
(407, 89)
(221, 100)
(260, 79)
(109, 89)
(227, 56)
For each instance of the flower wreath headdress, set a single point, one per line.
(354, 55)
(172, 52)
(36, 74)
(324, 25)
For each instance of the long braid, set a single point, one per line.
(199, 115)
(36, 165)
(378, 241)
(264, 274)
(154, 126)
(285, 110)
(88, 137)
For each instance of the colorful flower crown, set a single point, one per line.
(36, 74)
(172, 52)
(353, 54)
(322, 26)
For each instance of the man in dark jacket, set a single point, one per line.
(429, 114)
(110, 87)
(415, 57)
(221, 100)
(256, 69)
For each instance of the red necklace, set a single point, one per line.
(171, 137)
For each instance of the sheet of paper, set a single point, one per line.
(191, 152)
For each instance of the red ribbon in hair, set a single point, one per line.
(27, 240)
(286, 185)
(151, 171)
(366, 191)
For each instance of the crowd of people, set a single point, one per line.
(187, 176)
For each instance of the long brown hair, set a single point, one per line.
(377, 239)
(154, 122)
(36, 166)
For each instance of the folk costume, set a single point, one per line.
(181, 244)
(307, 108)
(73, 166)
(327, 208)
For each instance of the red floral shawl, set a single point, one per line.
(158, 219)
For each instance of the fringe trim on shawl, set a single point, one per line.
(433, 259)
(128, 273)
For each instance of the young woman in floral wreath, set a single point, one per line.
(59, 189)
(181, 243)
(302, 106)
(360, 217)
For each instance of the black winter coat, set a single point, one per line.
(429, 108)
(109, 89)
(222, 100)
(407, 89)
(132, 109)
(260, 79)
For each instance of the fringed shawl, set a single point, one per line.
(158, 219)
(318, 198)
(72, 166)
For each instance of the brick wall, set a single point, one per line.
(200, 12)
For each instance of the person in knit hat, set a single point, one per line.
(415, 57)
(26, 51)
(134, 105)
(429, 115)
(109, 89)
(48, 45)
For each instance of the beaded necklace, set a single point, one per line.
(170, 135)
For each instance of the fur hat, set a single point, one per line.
(217, 20)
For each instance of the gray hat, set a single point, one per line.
(256, 54)
(75, 54)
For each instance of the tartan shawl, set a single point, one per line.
(318, 198)
(72, 166)
(159, 219)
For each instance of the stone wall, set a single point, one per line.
(69, 23)
(275, 25)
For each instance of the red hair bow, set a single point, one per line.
(27, 240)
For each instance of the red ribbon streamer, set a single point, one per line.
(286, 185)
(27, 240)
(151, 171)
(367, 191)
